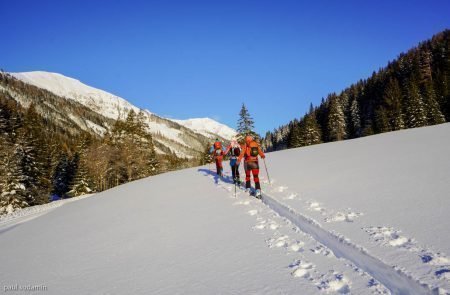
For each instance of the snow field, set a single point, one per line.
(311, 262)
(368, 216)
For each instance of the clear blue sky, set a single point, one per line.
(185, 59)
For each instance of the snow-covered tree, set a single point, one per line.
(355, 118)
(434, 114)
(12, 188)
(81, 184)
(415, 107)
(310, 131)
(336, 120)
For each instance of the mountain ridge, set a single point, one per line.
(116, 107)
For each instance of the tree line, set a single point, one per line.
(411, 91)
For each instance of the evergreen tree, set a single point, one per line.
(382, 121)
(12, 188)
(206, 156)
(134, 156)
(245, 125)
(392, 99)
(146, 146)
(81, 184)
(63, 176)
(27, 155)
(415, 108)
(294, 139)
(355, 118)
(336, 120)
(434, 114)
(310, 131)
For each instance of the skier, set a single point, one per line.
(250, 152)
(217, 152)
(235, 151)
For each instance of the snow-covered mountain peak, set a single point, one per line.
(105, 103)
(208, 127)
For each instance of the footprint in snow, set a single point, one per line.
(278, 242)
(297, 246)
(262, 223)
(291, 196)
(274, 226)
(315, 206)
(252, 212)
(434, 259)
(266, 224)
(322, 250)
(389, 236)
(336, 284)
(376, 287)
(443, 273)
(301, 269)
(348, 216)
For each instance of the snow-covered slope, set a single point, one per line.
(179, 136)
(208, 127)
(365, 216)
(102, 102)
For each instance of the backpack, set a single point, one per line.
(217, 145)
(252, 149)
(236, 151)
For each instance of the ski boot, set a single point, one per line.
(258, 194)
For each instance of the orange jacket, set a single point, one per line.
(246, 148)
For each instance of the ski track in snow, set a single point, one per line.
(280, 222)
(280, 234)
(435, 268)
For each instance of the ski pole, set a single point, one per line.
(267, 172)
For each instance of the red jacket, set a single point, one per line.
(217, 153)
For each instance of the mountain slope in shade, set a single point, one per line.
(184, 138)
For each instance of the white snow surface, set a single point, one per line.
(208, 127)
(364, 216)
